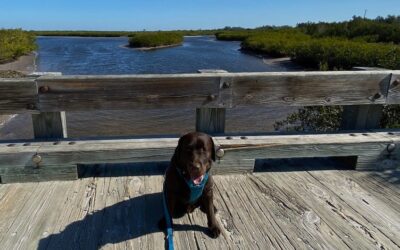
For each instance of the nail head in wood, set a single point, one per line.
(220, 153)
(391, 147)
(377, 96)
(211, 97)
(30, 106)
(36, 159)
(225, 85)
(44, 89)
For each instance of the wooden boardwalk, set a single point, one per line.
(289, 209)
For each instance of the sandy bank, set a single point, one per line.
(25, 64)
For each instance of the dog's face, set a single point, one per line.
(194, 155)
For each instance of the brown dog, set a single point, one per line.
(189, 167)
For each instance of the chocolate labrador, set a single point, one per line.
(188, 183)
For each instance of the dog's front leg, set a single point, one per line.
(210, 212)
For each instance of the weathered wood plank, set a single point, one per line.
(299, 222)
(31, 174)
(18, 96)
(126, 92)
(311, 88)
(49, 125)
(361, 117)
(12, 204)
(27, 216)
(381, 217)
(239, 152)
(43, 220)
(210, 120)
(383, 185)
(351, 226)
(59, 93)
(209, 90)
(394, 89)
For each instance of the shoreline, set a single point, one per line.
(285, 61)
(25, 64)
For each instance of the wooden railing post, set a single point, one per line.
(363, 117)
(210, 120)
(356, 117)
(49, 125)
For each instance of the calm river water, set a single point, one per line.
(88, 56)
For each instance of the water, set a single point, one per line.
(91, 56)
(95, 56)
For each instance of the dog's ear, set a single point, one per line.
(212, 149)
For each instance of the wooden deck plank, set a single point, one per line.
(280, 210)
(153, 185)
(297, 220)
(12, 204)
(380, 216)
(378, 187)
(42, 222)
(347, 222)
(67, 234)
(249, 214)
(16, 235)
(236, 225)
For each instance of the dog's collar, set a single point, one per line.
(195, 190)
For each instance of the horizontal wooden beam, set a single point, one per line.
(239, 152)
(18, 95)
(209, 90)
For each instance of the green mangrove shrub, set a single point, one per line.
(15, 43)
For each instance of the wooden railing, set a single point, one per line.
(47, 98)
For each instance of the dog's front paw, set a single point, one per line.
(215, 231)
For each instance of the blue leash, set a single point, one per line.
(168, 221)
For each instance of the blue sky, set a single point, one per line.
(180, 14)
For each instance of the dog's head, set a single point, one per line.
(194, 155)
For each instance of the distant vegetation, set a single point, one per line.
(328, 46)
(378, 30)
(155, 39)
(15, 43)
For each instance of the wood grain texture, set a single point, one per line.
(298, 209)
(356, 117)
(210, 120)
(49, 125)
(311, 88)
(44, 173)
(394, 89)
(212, 90)
(240, 152)
(127, 92)
(18, 96)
